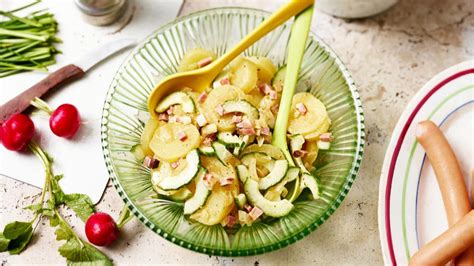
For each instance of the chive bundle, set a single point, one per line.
(27, 43)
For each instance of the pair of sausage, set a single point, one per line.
(458, 240)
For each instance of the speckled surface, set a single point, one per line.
(390, 57)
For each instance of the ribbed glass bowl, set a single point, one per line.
(125, 109)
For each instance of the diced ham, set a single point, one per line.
(163, 117)
(201, 120)
(182, 136)
(230, 221)
(248, 207)
(273, 95)
(225, 81)
(247, 131)
(227, 181)
(255, 213)
(150, 162)
(204, 62)
(246, 123)
(202, 97)
(274, 108)
(299, 153)
(301, 108)
(184, 119)
(175, 165)
(236, 119)
(327, 137)
(265, 131)
(209, 180)
(170, 110)
(220, 110)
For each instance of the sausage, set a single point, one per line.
(449, 176)
(448, 245)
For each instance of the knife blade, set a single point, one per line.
(61, 76)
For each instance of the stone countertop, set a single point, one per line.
(390, 56)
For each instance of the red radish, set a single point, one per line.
(204, 62)
(17, 132)
(65, 121)
(202, 97)
(255, 213)
(101, 229)
(301, 108)
(225, 81)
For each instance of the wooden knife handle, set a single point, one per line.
(53, 80)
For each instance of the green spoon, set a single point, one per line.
(296, 47)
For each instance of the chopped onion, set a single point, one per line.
(201, 120)
(202, 97)
(209, 180)
(150, 162)
(175, 165)
(255, 213)
(204, 62)
(273, 95)
(184, 119)
(323, 145)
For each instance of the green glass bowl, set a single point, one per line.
(125, 110)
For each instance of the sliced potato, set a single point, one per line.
(245, 76)
(217, 97)
(312, 148)
(316, 118)
(147, 135)
(265, 68)
(323, 128)
(221, 201)
(190, 59)
(166, 144)
(268, 149)
(254, 96)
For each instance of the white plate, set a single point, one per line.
(411, 211)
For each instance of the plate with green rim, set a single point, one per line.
(125, 109)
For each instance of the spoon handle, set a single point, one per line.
(276, 19)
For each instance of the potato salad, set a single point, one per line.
(212, 151)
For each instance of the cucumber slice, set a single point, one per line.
(271, 208)
(180, 98)
(138, 152)
(311, 183)
(268, 149)
(241, 106)
(276, 175)
(292, 173)
(181, 195)
(242, 173)
(200, 195)
(279, 79)
(229, 140)
(185, 176)
(207, 150)
(240, 200)
(222, 153)
(260, 157)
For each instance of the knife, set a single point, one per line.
(62, 76)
